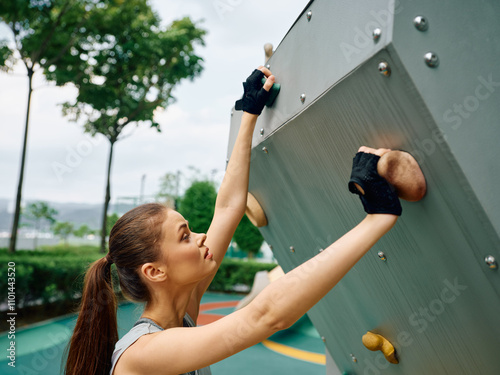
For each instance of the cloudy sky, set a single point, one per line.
(66, 165)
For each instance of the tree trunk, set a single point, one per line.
(107, 198)
(17, 212)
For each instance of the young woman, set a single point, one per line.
(161, 262)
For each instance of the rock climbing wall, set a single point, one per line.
(373, 73)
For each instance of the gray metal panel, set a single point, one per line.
(441, 241)
(434, 298)
(466, 37)
(317, 53)
(331, 366)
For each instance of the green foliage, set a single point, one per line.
(248, 238)
(131, 68)
(82, 231)
(233, 272)
(48, 275)
(40, 211)
(46, 32)
(63, 229)
(7, 59)
(37, 213)
(112, 219)
(63, 250)
(198, 204)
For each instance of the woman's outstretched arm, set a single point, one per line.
(232, 196)
(278, 306)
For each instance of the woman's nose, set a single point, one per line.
(201, 239)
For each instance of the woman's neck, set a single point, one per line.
(167, 309)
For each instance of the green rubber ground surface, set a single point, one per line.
(40, 348)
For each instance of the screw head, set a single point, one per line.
(309, 15)
(268, 66)
(292, 249)
(320, 250)
(431, 59)
(261, 132)
(381, 255)
(384, 68)
(303, 98)
(421, 23)
(354, 359)
(265, 150)
(491, 262)
(376, 34)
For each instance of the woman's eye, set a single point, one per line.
(186, 237)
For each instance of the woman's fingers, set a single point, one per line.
(269, 83)
(264, 70)
(270, 78)
(378, 151)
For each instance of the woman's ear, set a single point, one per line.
(154, 272)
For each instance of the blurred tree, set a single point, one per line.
(248, 238)
(44, 33)
(63, 229)
(82, 231)
(131, 71)
(197, 205)
(110, 222)
(169, 189)
(38, 213)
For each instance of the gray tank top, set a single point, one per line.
(142, 327)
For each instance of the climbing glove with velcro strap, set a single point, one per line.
(254, 97)
(379, 196)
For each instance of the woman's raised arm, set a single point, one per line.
(232, 196)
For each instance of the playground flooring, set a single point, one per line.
(298, 350)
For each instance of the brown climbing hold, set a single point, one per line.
(374, 342)
(402, 171)
(254, 212)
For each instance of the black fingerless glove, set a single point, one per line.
(254, 97)
(379, 197)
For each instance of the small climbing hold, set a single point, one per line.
(374, 342)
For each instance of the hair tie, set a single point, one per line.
(108, 259)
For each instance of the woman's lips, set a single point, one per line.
(208, 255)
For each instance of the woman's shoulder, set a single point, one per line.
(128, 348)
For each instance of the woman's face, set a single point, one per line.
(185, 254)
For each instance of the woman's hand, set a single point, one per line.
(255, 93)
(376, 194)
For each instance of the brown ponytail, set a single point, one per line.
(96, 331)
(134, 240)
